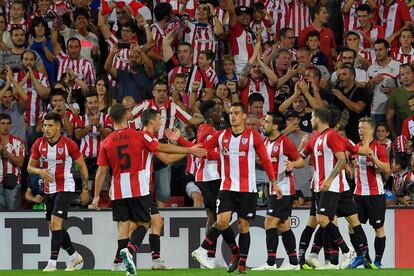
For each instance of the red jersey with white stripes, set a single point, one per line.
(169, 112)
(121, 58)
(212, 76)
(263, 88)
(190, 8)
(281, 150)
(350, 18)
(35, 105)
(397, 54)
(22, 24)
(401, 181)
(207, 170)
(81, 67)
(323, 148)
(90, 143)
(407, 129)
(265, 24)
(201, 36)
(57, 159)
(392, 18)
(126, 151)
(368, 176)
(238, 159)
(193, 73)
(246, 3)
(15, 146)
(241, 42)
(279, 10)
(158, 35)
(300, 16)
(374, 33)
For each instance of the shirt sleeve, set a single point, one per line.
(102, 157)
(35, 153)
(73, 150)
(78, 122)
(404, 130)
(382, 154)
(108, 122)
(181, 114)
(263, 156)
(335, 142)
(291, 151)
(212, 142)
(404, 12)
(149, 141)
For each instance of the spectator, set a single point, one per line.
(137, 81)
(328, 44)
(403, 179)
(287, 41)
(351, 100)
(105, 99)
(382, 132)
(252, 121)
(369, 32)
(407, 129)
(13, 103)
(364, 57)
(313, 42)
(12, 57)
(12, 156)
(278, 11)
(201, 34)
(39, 41)
(304, 58)
(255, 104)
(228, 69)
(262, 23)
(398, 108)
(17, 20)
(383, 78)
(205, 62)
(349, 58)
(393, 17)
(349, 13)
(36, 86)
(4, 35)
(404, 54)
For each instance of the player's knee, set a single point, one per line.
(353, 220)
(312, 222)
(270, 222)
(379, 232)
(55, 224)
(322, 220)
(244, 226)
(157, 221)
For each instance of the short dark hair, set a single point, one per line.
(58, 92)
(159, 82)
(179, 75)
(19, 2)
(408, 30)
(28, 51)
(382, 41)
(402, 159)
(206, 106)
(91, 94)
(148, 115)
(407, 65)
(209, 55)
(239, 104)
(73, 39)
(316, 71)
(364, 7)
(255, 97)
(81, 11)
(283, 31)
(382, 124)
(162, 10)
(317, 9)
(335, 115)
(322, 114)
(349, 68)
(5, 116)
(305, 49)
(53, 116)
(349, 50)
(37, 20)
(313, 34)
(117, 113)
(277, 119)
(15, 28)
(183, 43)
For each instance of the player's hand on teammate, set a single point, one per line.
(197, 150)
(173, 135)
(289, 166)
(44, 174)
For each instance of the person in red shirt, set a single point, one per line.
(52, 158)
(404, 54)
(328, 44)
(129, 154)
(367, 29)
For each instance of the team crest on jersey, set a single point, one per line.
(244, 141)
(60, 150)
(226, 140)
(275, 148)
(305, 123)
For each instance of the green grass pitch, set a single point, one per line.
(214, 272)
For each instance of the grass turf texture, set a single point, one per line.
(214, 272)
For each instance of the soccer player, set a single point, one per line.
(369, 190)
(129, 154)
(328, 154)
(284, 156)
(52, 158)
(238, 147)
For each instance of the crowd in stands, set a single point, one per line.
(79, 57)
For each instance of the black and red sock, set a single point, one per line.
(289, 241)
(56, 243)
(379, 245)
(121, 245)
(305, 239)
(272, 241)
(244, 244)
(136, 238)
(155, 245)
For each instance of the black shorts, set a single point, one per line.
(371, 208)
(244, 204)
(327, 204)
(280, 208)
(154, 208)
(136, 209)
(313, 205)
(58, 204)
(210, 190)
(346, 205)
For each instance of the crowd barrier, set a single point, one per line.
(25, 238)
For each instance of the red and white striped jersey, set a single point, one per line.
(192, 164)
(401, 182)
(300, 16)
(190, 8)
(14, 146)
(158, 35)
(169, 112)
(407, 129)
(127, 152)
(193, 73)
(22, 24)
(57, 159)
(368, 54)
(398, 55)
(263, 88)
(281, 150)
(60, 7)
(90, 143)
(201, 36)
(351, 19)
(265, 24)
(82, 68)
(241, 42)
(212, 76)
(392, 18)
(121, 58)
(222, 16)
(279, 10)
(238, 159)
(375, 33)
(247, 3)
(207, 170)
(323, 148)
(35, 105)
(368, 176)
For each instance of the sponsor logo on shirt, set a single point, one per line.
(233, 153)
